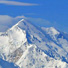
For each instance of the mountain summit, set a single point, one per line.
(30, 46)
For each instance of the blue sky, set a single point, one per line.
(45, 13)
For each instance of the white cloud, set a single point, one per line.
(8, 21)
(3, 28)
(16, 3)
(20, 17)
(4, 19)
(40, 21)
(36, 21)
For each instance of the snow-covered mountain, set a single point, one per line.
(60, 39)
(29, 46)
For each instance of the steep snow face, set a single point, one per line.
(33, 57)
(61, 39)
(27, 46)
(46, 40)
(17, 36)
(11, 40)
(33, 34)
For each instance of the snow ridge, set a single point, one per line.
(29, 47)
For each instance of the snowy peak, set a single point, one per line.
(51, 30)
(12, 39)
(16, 25)
(31, 47)
(19, 22)
(17, 33)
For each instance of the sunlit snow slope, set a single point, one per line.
(29, 46)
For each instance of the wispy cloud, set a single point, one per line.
(17, 3)
(8, 21)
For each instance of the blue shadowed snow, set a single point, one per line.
(5, 64)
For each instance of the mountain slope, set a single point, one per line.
(33, 57)
(60, 38)
(44, 41)
(29, 46)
